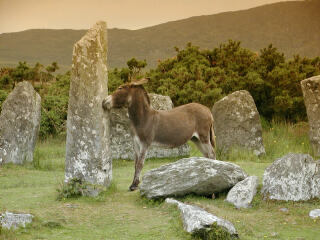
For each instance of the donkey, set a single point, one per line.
(170, 128)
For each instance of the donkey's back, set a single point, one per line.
(176, 126)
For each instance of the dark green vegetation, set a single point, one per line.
(206, 76)
(212, 232)
(73, 189)
(120, 214)
(291, 26)
(193, 75)
(54, 91)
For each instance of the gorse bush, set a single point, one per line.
(193, 75)
(206, 76)
(54, 92)
(55, 107)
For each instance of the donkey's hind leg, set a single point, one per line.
(206, 148)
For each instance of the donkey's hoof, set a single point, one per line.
(133, 187)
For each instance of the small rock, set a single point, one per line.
(315, 214)
(213, 196)
(69, 205)
(241, 195)
(284, 209)
(92, 191)
(195, 218)
(14, 220)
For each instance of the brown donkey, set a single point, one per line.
(170, 128)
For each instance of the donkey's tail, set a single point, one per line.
(212, 136)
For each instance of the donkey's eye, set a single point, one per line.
(119, 88)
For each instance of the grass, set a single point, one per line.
(120, 214)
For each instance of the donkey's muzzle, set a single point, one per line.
(107, 103)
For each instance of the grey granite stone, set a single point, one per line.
(198, 175)
(87, 149)
(237, 123)
(19, 124)
(293, 177)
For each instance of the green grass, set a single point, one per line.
(120, 214)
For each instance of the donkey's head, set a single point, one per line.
(122, 97)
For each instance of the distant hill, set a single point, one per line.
(293, 27)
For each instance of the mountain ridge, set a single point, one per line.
(290, 26)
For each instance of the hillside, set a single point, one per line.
(293, 27)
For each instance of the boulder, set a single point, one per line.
(293, 177)
(198, 175)
(13, 220)
(87, 148)
(314, 214)
(121, 144)
(195, 218)
(237, 123)
(19, 124)
(242, 194)
(311, 94)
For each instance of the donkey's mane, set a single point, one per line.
(144, 93)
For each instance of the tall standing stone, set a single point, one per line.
(311, 94)
(121, 144)
(87, 153)
(19, 124)
(237, 123)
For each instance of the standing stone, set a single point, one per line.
(87, 154)
(121, 139)
(19, 124)
(242, 194)
(311, 94)
(237, 123)
(294, 177)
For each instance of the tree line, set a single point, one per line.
(192, 75)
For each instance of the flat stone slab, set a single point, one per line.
(242, 194)
(314, 214)
(195, 218)
(198, 175)
(294, 177)
(10, 220)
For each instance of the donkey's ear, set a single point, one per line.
(140, 82)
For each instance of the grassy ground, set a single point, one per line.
(120, 214)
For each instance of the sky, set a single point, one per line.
(18, 15)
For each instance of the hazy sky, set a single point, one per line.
(17, 15)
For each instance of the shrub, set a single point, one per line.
(3, 96)
(213, 232)
(73, 189)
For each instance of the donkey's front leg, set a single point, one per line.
(140, 152)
